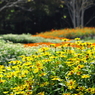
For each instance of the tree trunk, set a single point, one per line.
(74, 14)
(76, 10)
(82, 18)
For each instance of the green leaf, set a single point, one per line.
(62, 84)
(0, 2)
(57, 89)
(12, 11)
(64, 16)
(61, 6)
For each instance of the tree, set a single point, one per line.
(13, 3)
(29, 15)
(76, 10)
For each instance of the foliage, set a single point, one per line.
(65, 70)
(29, 17)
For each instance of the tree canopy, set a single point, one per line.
(31, 16)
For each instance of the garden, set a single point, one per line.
(56, 62)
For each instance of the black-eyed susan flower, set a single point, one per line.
(67, 93)
(85, 76)
(77, 39)
(71, 84)
(41, 93)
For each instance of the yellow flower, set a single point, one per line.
(62, 56)
(2, 81)
(56, 78)
(15, 62)
(53, 45)
(1, 67)
(42, 74)
(60, 52)
(29, 93)
(8, 68)
(1, 75)
(91, 90)
(43, 49)
(66, 93)
(77, 39)
(20, 92)
(39, 64)
(65, 40)
(71, 84)
(72, 87)
(85, 76)
(78, 67)
(69, 63)
(81, 88)
(36, 70)
(80, 93)
(41, 93)
(44, 84)
(79, 73)
(46, 54)
(11, 94)
(70, 73)
(27, 63)
(53, 57)
(5, 92)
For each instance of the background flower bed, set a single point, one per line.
(84, 33)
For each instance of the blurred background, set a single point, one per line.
(35, 16)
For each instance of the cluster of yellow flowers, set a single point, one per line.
(63, 70)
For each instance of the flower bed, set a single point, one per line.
(66, 69)
(84, 33)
